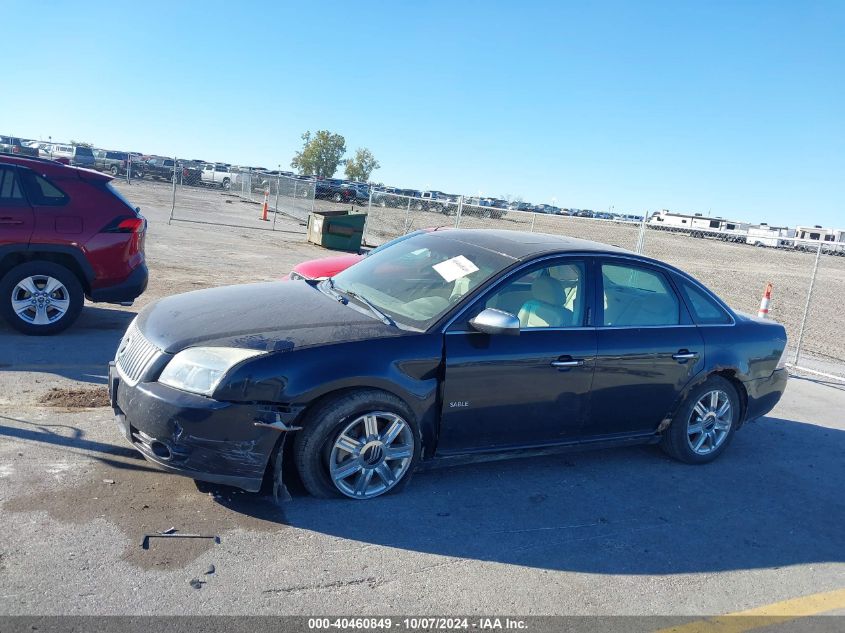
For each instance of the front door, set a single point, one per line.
(648, 349)
(504, 391)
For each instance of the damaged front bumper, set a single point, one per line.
(198, 437)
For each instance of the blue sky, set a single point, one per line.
(732, 108)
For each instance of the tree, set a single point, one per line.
(80, 143)
(361, 165)
(320, 155)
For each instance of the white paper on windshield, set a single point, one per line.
(455, 268)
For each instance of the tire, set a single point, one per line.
(316, 448)
(680, 439)
(61, 307)
(337, 198)
(226, 184)
(115, 171)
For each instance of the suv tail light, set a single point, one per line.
(16, 149)
(126, 225)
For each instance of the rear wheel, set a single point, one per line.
(705, 424)
(360, 445)
(40, 298)
(226, 184)
(337, 198)
(114, 171)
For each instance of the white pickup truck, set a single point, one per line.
(217, 175)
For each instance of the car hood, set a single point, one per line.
(272, 316)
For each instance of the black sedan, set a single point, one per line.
(449, 346)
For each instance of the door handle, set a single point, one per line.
(684, 355)
(575, 362)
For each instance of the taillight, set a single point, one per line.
(16, 149)
(131, 225)
(127, 225)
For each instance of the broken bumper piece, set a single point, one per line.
(191, 435)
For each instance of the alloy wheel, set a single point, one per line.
(40, 299)
(710, 422)
(371, 455)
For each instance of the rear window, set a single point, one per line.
(116, 155)
(41, 191)
(84, 151)
(705, 310)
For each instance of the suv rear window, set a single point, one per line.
(41, 191)
(84, 151)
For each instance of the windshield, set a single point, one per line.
(418, 280)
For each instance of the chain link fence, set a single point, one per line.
(808, 275)
(219, 194)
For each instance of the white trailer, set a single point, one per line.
(771, 236)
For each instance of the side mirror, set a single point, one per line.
(492, 321)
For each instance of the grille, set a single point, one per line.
(135, 355)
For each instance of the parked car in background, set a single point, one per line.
(75, 155)
(159, 168)
(117, 163)
(325, 267)
(189, 172)
(521, 206)
(217, 175)
(65, 234)
(447, 346)
(334, 190)
(13, 145)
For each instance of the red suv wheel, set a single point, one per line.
(40, 297)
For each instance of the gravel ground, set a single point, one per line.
(605, 532)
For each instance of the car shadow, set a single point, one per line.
(82, 352)
(773, 499)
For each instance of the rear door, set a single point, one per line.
(503, 391)
(648, 348)
(16, 216)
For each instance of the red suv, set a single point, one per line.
(65, 234)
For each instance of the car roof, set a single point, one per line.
(524, 245)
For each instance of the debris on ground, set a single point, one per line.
(196, 583)
(169, 530)
(108, 481)
(76, 398)
(210, 570)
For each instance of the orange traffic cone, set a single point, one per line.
(763, 312)
(266, 205)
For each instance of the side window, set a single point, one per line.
(41, 191)
(10, 189)
(704, 309)
(551, 296)
(635, 296)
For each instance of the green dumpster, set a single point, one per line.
(338, 230)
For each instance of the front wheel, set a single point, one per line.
(40, 298)
(360, 445)
(705, 423)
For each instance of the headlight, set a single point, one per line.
(295, 275)
(200, 369)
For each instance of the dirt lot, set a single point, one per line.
(606, 532)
